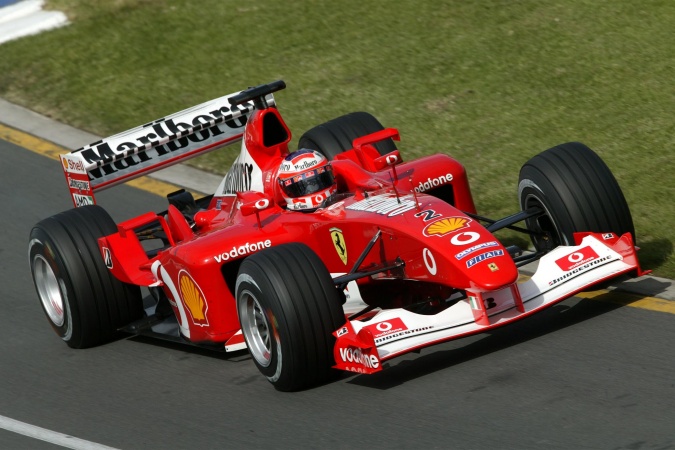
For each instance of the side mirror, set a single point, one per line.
(255, 207)
(253, 202)
(388, 160)
(378, 136)
(366, 152)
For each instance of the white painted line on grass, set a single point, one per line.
(27, 17)
(49, 436)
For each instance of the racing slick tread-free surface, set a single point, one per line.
(578, 190)
(337, 135)
(295, 286)
(98, 303)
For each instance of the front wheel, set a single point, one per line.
(288, 309)
(576, 192)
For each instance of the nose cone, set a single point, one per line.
(491, 270)
(477, 259)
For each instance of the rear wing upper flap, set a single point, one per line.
(155, 145)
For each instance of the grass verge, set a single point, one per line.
(491, 83)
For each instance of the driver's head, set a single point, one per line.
(306, 179)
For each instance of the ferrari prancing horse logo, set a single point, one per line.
(339, 243)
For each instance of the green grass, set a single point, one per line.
(491, 82)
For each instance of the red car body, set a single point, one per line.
(420, 248)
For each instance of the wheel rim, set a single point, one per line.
(256, 328)
(48, 290)
(549, 235)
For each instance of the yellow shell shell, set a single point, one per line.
(192, 297)
(447, 225)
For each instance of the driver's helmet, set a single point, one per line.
(306, 179)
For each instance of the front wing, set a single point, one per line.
(362, 346)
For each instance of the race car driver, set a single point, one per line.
(306, 180)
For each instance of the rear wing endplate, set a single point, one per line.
(153, 146)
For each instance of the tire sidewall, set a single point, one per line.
(41, 245)
(529, 189)
(247, 284)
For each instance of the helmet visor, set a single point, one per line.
(308, 183)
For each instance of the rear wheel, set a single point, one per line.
(337, 135)
(577, 192)
(288, 309)
(84, 303)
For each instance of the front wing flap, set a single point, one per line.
(362, 346)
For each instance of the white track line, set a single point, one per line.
(49, 436)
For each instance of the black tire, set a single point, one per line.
(578, 193)
(83, 301)
(337, 135)
(288, 309)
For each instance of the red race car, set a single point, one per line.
(337, 256)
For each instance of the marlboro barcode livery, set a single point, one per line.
(337, 255)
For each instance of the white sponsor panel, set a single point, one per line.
(476, 247)
(161, 142)
(82, 200)
(73, 163)
(244, 175)
(78, 184)
(385, 204)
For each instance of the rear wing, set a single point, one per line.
(155, 145)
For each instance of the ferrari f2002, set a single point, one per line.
(338, 256)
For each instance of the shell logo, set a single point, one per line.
(193, 298)
(446, 225)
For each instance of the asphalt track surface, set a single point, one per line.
(585, 374)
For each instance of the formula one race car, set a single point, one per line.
(338, 256)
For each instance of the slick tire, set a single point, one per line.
(288, 309)
(83, 301)
(578, 193)
(337, 135)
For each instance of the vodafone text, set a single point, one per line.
(433, 182)
(242, 250)
(355, 355)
